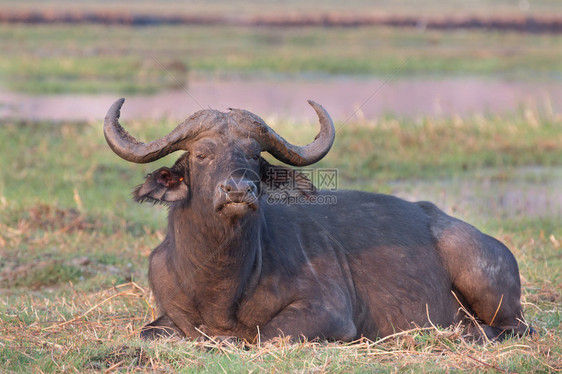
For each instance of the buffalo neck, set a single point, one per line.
(222, 258)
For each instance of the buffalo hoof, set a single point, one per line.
(210, 341)
(162, 327)
(484, 333)
(217, 342)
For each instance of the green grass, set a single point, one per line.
(96, 58)
(430, 148)
(74, 247)
(64, 162)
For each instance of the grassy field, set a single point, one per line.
(74, 249)
(43, 59)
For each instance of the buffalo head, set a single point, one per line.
(222, 170)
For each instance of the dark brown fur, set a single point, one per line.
(370, 265)
(241, 258)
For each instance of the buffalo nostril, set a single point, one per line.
(225, 188)
(251, 188)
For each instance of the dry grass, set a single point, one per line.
(74, 249)
(91, 331)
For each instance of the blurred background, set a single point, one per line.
(458, 102)
(490, 67)
(68, 60)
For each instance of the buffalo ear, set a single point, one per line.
(164, 185)
(281, 179)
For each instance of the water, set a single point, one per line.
(345, 98)
(523, 192)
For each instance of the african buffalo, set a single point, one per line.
(237, 263)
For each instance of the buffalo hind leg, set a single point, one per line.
(483, 270)
(162, 327)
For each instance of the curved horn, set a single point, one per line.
(130, 149)
(302, 155)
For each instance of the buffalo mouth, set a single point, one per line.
(237, 209)
(237, 196)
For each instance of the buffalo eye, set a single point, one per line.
(200, 156)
